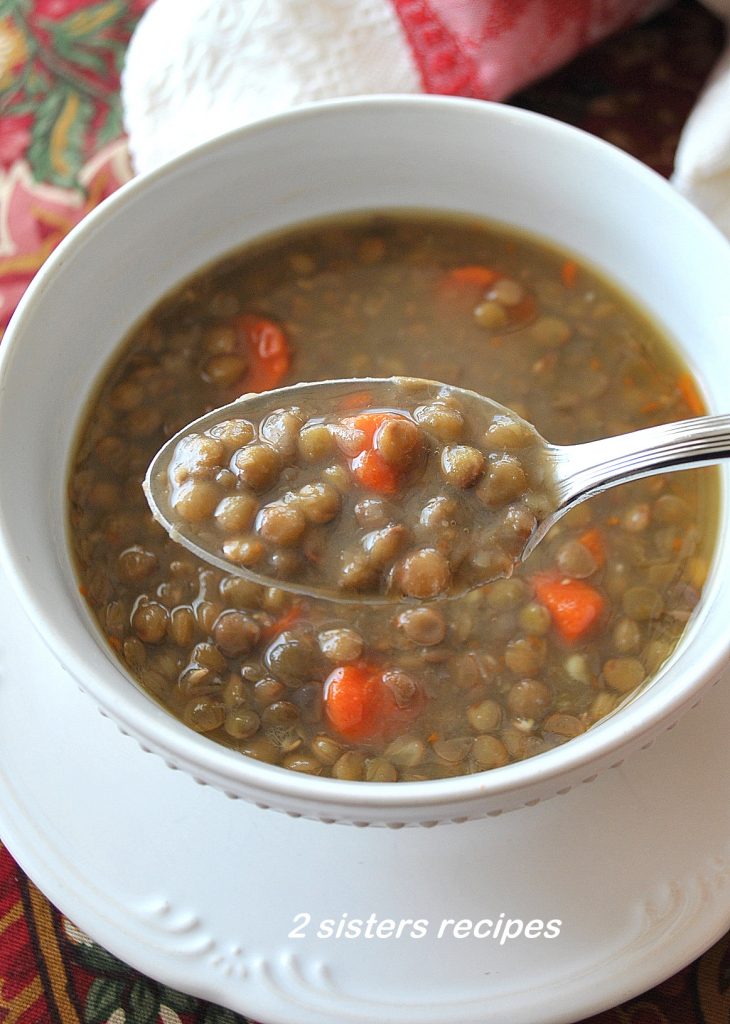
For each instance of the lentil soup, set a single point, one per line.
(334, 494)
(412, 691)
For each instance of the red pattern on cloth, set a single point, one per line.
(489, 50)
(444, 63)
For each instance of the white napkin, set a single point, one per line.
(702, 162)
(197, 68)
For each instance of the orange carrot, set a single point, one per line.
(369, 422)
(360, 705)
(576, 608)
(472, 274)
(465, 284)
(369, 467)
(688, 391)
(287, 619)
(268, 352)
(373, 473)
(469, 280)
(593, 540)
(356, 701)
(569, 273)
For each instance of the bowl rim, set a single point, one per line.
(224, 767)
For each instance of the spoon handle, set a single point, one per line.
(582, 470)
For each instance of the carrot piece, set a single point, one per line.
(360, 705)
(569, 273)
(268, 352)
(369, 422)
(576, 608)
(688, 391)
(472, 274)
(465, 284)
(287, 619)
(369, 467)
(594, 541)
(356, 701)
(373, 473)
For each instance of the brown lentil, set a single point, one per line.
(424, 626)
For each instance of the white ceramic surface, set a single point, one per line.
(463, 155)
(201, 892)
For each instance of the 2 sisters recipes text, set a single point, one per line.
(500, 928)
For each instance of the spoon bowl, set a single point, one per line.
(351, 402)
(461, 443)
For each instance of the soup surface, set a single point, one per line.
(412, 691)
(336, 493)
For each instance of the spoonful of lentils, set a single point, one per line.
(386, 489)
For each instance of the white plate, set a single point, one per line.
(201, 892)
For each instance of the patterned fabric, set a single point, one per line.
(60, 125)
(490, 49)
(61, 152)
(51, 973)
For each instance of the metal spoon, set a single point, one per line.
(576, 472)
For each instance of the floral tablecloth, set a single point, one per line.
(61, 152)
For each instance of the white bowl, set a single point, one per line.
(381, 152)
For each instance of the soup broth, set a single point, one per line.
(408, 691)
